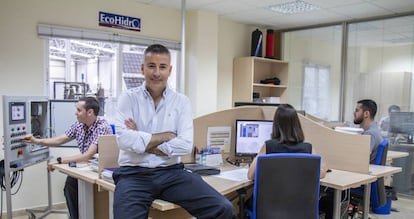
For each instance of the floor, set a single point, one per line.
(404, 205)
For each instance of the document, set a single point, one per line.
(235, 175)
(219, 137)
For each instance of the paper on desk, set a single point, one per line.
(235, 175)
(219, 137)
(85, 168)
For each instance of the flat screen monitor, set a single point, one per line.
(250, 136)
(402, 122)
(17, 112)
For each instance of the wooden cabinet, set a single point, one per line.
(249, 71)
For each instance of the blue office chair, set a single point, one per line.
(286, 186)
(378, 194)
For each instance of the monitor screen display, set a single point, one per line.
(251, 135)
(402, 122)
(17, 112)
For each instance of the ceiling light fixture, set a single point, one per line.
(294, 7)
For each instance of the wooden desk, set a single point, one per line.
(170, 210)
(391, 155)
(86, 179)
(381, 171)
(337, 179)
(341, 180)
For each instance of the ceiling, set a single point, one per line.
(257, 13)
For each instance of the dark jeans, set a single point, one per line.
(137, 187)
(71, 195)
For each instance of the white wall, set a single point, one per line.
(234, 41)
(202, 61)
(23, 68)
(22, 63)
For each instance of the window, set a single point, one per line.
(133, 57)
(89, 62)
(316, 98)
(79, 67)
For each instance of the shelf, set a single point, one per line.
(249, 71)
(269, 85)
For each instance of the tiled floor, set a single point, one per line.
(404, 205)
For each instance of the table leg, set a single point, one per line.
(111, 205)
(86, 205)
(367, 198)
(337, 204)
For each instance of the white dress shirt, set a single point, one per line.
(173, 114)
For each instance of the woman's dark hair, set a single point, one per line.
(91, 103)
(286, 125)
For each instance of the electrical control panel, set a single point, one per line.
(23, 116)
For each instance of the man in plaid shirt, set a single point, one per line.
(86, 132)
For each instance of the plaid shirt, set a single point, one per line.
(85, 137)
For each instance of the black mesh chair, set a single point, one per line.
(286, 186)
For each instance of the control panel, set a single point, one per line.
(23, 116)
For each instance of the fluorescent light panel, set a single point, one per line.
(294, 7)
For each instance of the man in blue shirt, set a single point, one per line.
(364, 115)
(154, 129)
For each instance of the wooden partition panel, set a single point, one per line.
(108, 152)
(338, 150)
(223, 118)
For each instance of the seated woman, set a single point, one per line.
(287, 137)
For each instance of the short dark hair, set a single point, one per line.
(394, 108)
(91, 103)
(370, 106)
(157, 49)
(286, 125)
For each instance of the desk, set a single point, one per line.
(391, 155)
(223, 186)
(341, 180)
(86, 179)
(404, 181)
(381, 171)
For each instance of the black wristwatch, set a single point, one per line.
(59, 160)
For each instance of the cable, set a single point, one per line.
(15, 177)
(236, 163)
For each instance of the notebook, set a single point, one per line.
(202, 170)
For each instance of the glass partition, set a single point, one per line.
(314, 57)
(380, 64)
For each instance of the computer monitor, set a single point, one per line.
(402, 122)
(250, 136)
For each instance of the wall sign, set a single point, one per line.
(119, 21)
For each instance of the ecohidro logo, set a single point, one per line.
(119, 21)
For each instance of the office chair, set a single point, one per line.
(286, 186)
(378, 194)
